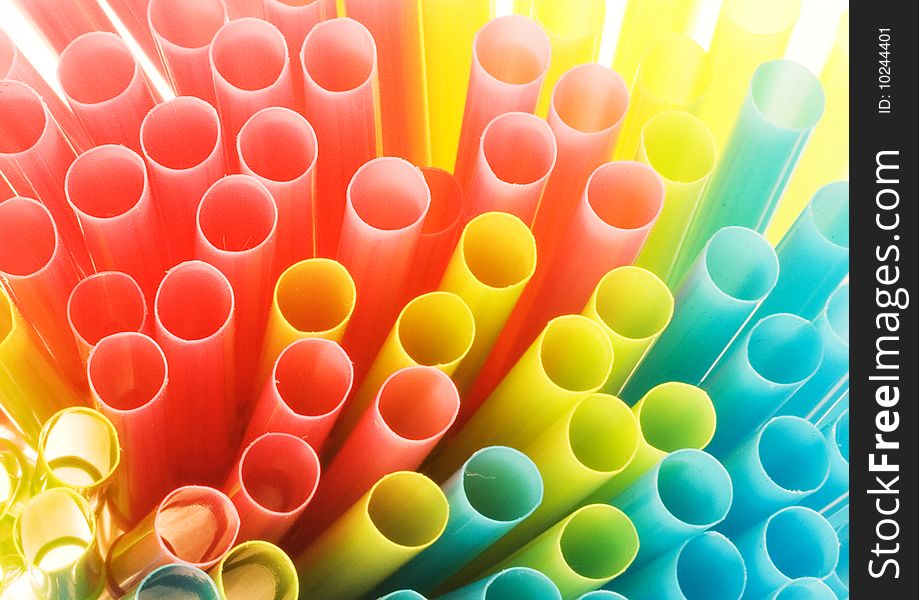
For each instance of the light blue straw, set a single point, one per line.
(403, 595)
(601, 595)
(838, 581)
(836, 441)
(833, 410)
(805, 588)
(175, 580)
(516, 582)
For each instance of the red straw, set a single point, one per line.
(62, 22)
(272, 484)
(106, 88)
(238, 9)
(104, 304)
(133, 13)
(439, 232)
(340, 87)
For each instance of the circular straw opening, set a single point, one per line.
(787, 94)
(196, 525)
(590, 98)
(763, 18)
(80, 447)
(679, 147)
(315, 295)
(127, 371)
(389, 194)
(502, 484)
(677, 71)
(694, 487)
(106, 181)
(446, 200)
(519, 148)
(741, 263)
(436, 329)
(499, 234)
(801, 543)
(28, 238)
(677, 415)
(279, 486)
(805, 588)
(576, 353)
(313, 376)
(519, 582)
(634, 303)
(408, 509)
(249, 54)
(259, 566)
(512, 49)
(22, 117)
(793, 454)
(55, 530)
(625, 195)
(598, 542)
(96, 67)
(339, 55)
(177, 581)
(271, 129)
(186, 24)
(829, 209)
(106, 303)
(237, 214)
(709, 567)
(603, 433)
(211, 310)
(418, 403)
(181, 133)
(784, 349)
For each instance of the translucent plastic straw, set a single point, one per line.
(439, 232)
(515, 582)
(133, 14)
(734, 272)
(184, 581)
(271, 485)
(16, 475)
(705, 566)
(279, 148)
(127, 378)
(197, 339)
(341, 91)
(515, 158)
(256, 567)
(108, 190)
(183, 32)
(106, 88)
(396, 27)
(836, 439)
(238, 9)
(62, 22)
(783, 463)
(758, 373)
(674, 74)
(103, 304)
(806, 588)
(400, 516)
(182, 146)
(838, 580)
(644, 24)
(193, 525)
(510, 57)
(449, 32)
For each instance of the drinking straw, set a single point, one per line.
(237, 9)
(674, 74)
(784, 462)
(835, 408)
(707, 566)
(644, 24)
(515, 582)
(403, 595)
(838, 580)
(103, 304)
(193, 525)
(127, 375)
(836, 438)
(16, 473)
(494, 490)
(449, 33)
(633, 306)
(342, 98)
(510, 58)
(133, 15)
(758, 373)
(181, 144)
(256, 569)
(439, 231)
(55, 535)
(492, 263)
(108, 190)
(515, 158)
(805, 588)
(183, 32)
(106, 88)
(290, 175)
(401, 515)
(794, 542)
(180, 580)
(198, 340)
(584, 551)
(388, 200)
(747, 34)
(397, 29)
(731, 276)
(270, 494)
(306, 390)
(61, 23)
(681, 150)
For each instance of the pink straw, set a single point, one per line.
(342, 103)
(107, 189)
(515, 159)
(272, 484)
(62, 22)
(182, 146)
(238, 9)
(106, 88)
(279, 148)
(104, 304)
(439, 232)
(309, 384)
(133, 13)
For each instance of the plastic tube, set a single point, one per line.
(106, 88)
(747, 34)
(182, 146)
(60, 520)
(584, 551)
(794, 542)
(238, 9)
(183, 32)
(103, 304)
(783, 463)
(492, 263)
(197, 339)
(401, 515)
(439, 231)
(510, 58)
(674, 74)
(836, 439)
(16, 473)
(107, 189)
(305, 393)
(633, 306)
(278, 147)
(838, 580)
(127, 379)
(342, 98)
(681, 150)
(271, 494)
(515, 158)
(193, 525)
(396, 26)
(644, 24)
(758, 373)
(705, 566)
(804, 588)
(601, 595)
(515, 582)
(403, 595)
(176, 579)
(60, 23)
(256, 567)
(133, 15)
(494, 490)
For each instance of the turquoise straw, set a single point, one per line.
(175, 580)
(836, 407)
(686, 493)
(784, 462)
(601, 595)
(403, 595)
(706, 566)
(805, 588)
(735, 271)
(836, 440)
(838, 581)
(757, 374)
(516, 582)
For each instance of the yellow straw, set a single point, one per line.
(256, 570)
(644, 23)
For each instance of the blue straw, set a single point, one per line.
(805, 588)
(176, 580)
(836, 440)
(833, 411)
(601, 595)
(516, 582)
(838, 580)
(403, 595)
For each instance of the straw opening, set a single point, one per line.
(518, 582)
(22, 117)
(677, 415)
(96, 67)
(55, 530)
(801, 543)
(339, 55)
(181, 133)
(598, 542)
(197, 525)
(793, 454)
(80, 447)
(389, 194)
(784, 349)
(418, 403)
(28, 237)
(279, 486)
(259, 566)
(186, 24)
(174, 580)
(446, 200)
(106, 181)
(590, 98)
(577, 371)
(679, 147)
(106, 303)
(787, 94)
(408, 509)
(211, 310)
(436, 329)
(603, 434)
(634, 303)
(502, 484)
(625, 195)
(127, 371)
(315, 295)
(512, 49)
(249, 54)
(313, 377)
(271, 129)
(237, 214)
(741, 263)
(710, 567)
(677, 71)
(829, 209)
(499, 234)
(694, 487)
(519, 148)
